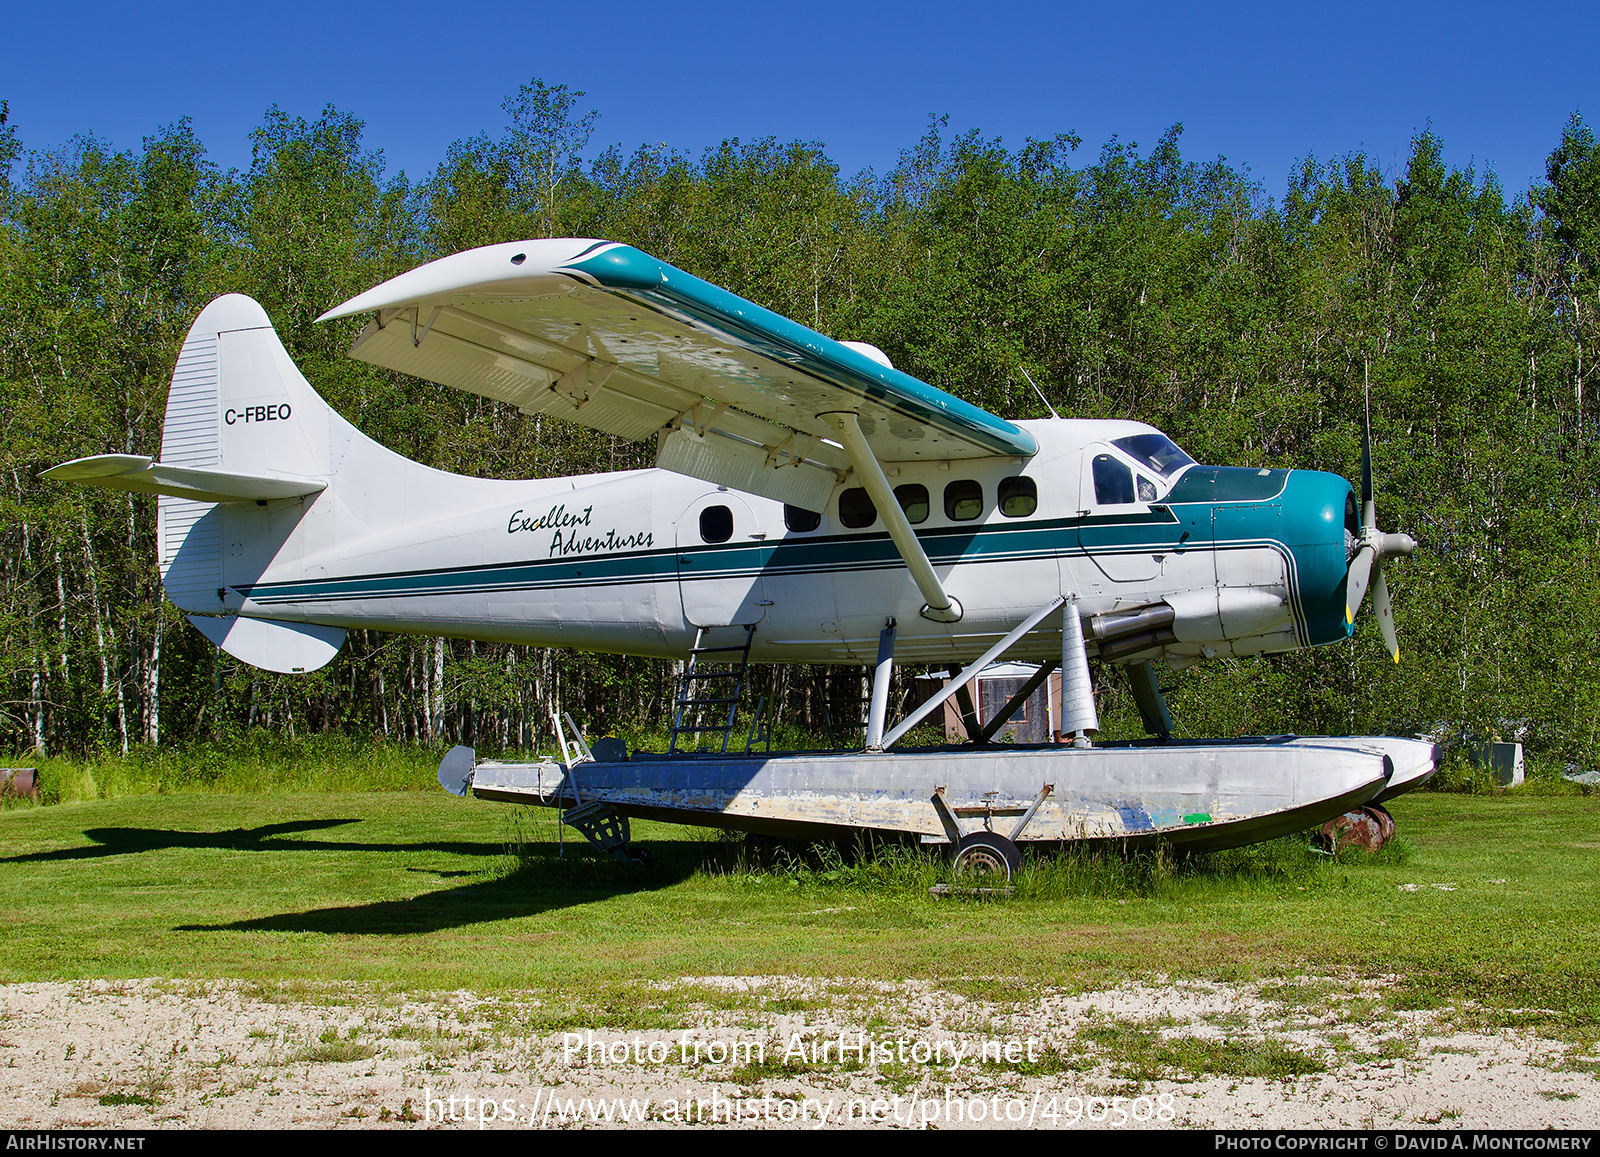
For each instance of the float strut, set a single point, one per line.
(970, 671)
(880, 688)
(1152, 704)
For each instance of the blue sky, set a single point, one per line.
(1262, 84)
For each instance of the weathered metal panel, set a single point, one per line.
(1208, 794)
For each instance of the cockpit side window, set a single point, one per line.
(1156, 451)
(1147, 489)
(1113, 481)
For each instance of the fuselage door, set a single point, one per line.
(721, 553)
(1124, 530)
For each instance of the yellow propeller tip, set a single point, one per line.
(1348, 617)
(1397, 657)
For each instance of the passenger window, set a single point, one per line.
(913, 499)
(798, 519)
(716, 524)
(1147, 489)
(963, 501)
(1113, 481)
(1019, 497)
(856, 509)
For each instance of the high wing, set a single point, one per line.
(601, 334)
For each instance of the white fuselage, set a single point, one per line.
(636, 562)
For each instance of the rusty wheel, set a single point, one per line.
(986, 858)
(1368, 828)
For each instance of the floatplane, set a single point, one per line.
(810, 503)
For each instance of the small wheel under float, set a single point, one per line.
(986, 858)
(1368, 827)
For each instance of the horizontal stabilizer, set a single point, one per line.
(142, 475)
(287, 648)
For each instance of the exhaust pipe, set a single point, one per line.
(1128, 632)
(1133, 644)
(1107, 627)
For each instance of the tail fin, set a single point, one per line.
(239, 407)
(238, 402)
(247, 450)
(257, 472)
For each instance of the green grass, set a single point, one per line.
(255, 762)
(423, 891)
(125, 1099)
(260, 762)
(335, 1051)
(1142, 1054)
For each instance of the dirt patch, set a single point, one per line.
(1312, 1053)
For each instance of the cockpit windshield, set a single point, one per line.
(1156, 451)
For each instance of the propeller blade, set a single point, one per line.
(1377, 545)
(1356, 582)
(1369, 508)
(1385, 612)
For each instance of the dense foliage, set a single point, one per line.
(1138, 284)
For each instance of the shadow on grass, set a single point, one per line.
(545, 881)
(266, 838)
(540, 879)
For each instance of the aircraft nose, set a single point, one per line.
(1315, 530)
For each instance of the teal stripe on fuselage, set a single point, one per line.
(807, 556)
(1295, 525)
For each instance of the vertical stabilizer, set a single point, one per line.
(238, 405)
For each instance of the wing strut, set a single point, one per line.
(940, 607)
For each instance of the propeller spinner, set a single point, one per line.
(1373, 546)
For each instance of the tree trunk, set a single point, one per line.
(100, 638)
(436, 717)
(152, 731)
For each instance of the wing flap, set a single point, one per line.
(714, 457)
(471, 354)
(451, 360)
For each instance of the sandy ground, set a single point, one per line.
(765, 1052)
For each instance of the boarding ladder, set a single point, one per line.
(709, 691)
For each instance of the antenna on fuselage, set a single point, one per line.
(1040, 392)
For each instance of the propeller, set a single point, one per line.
(1372, 547)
